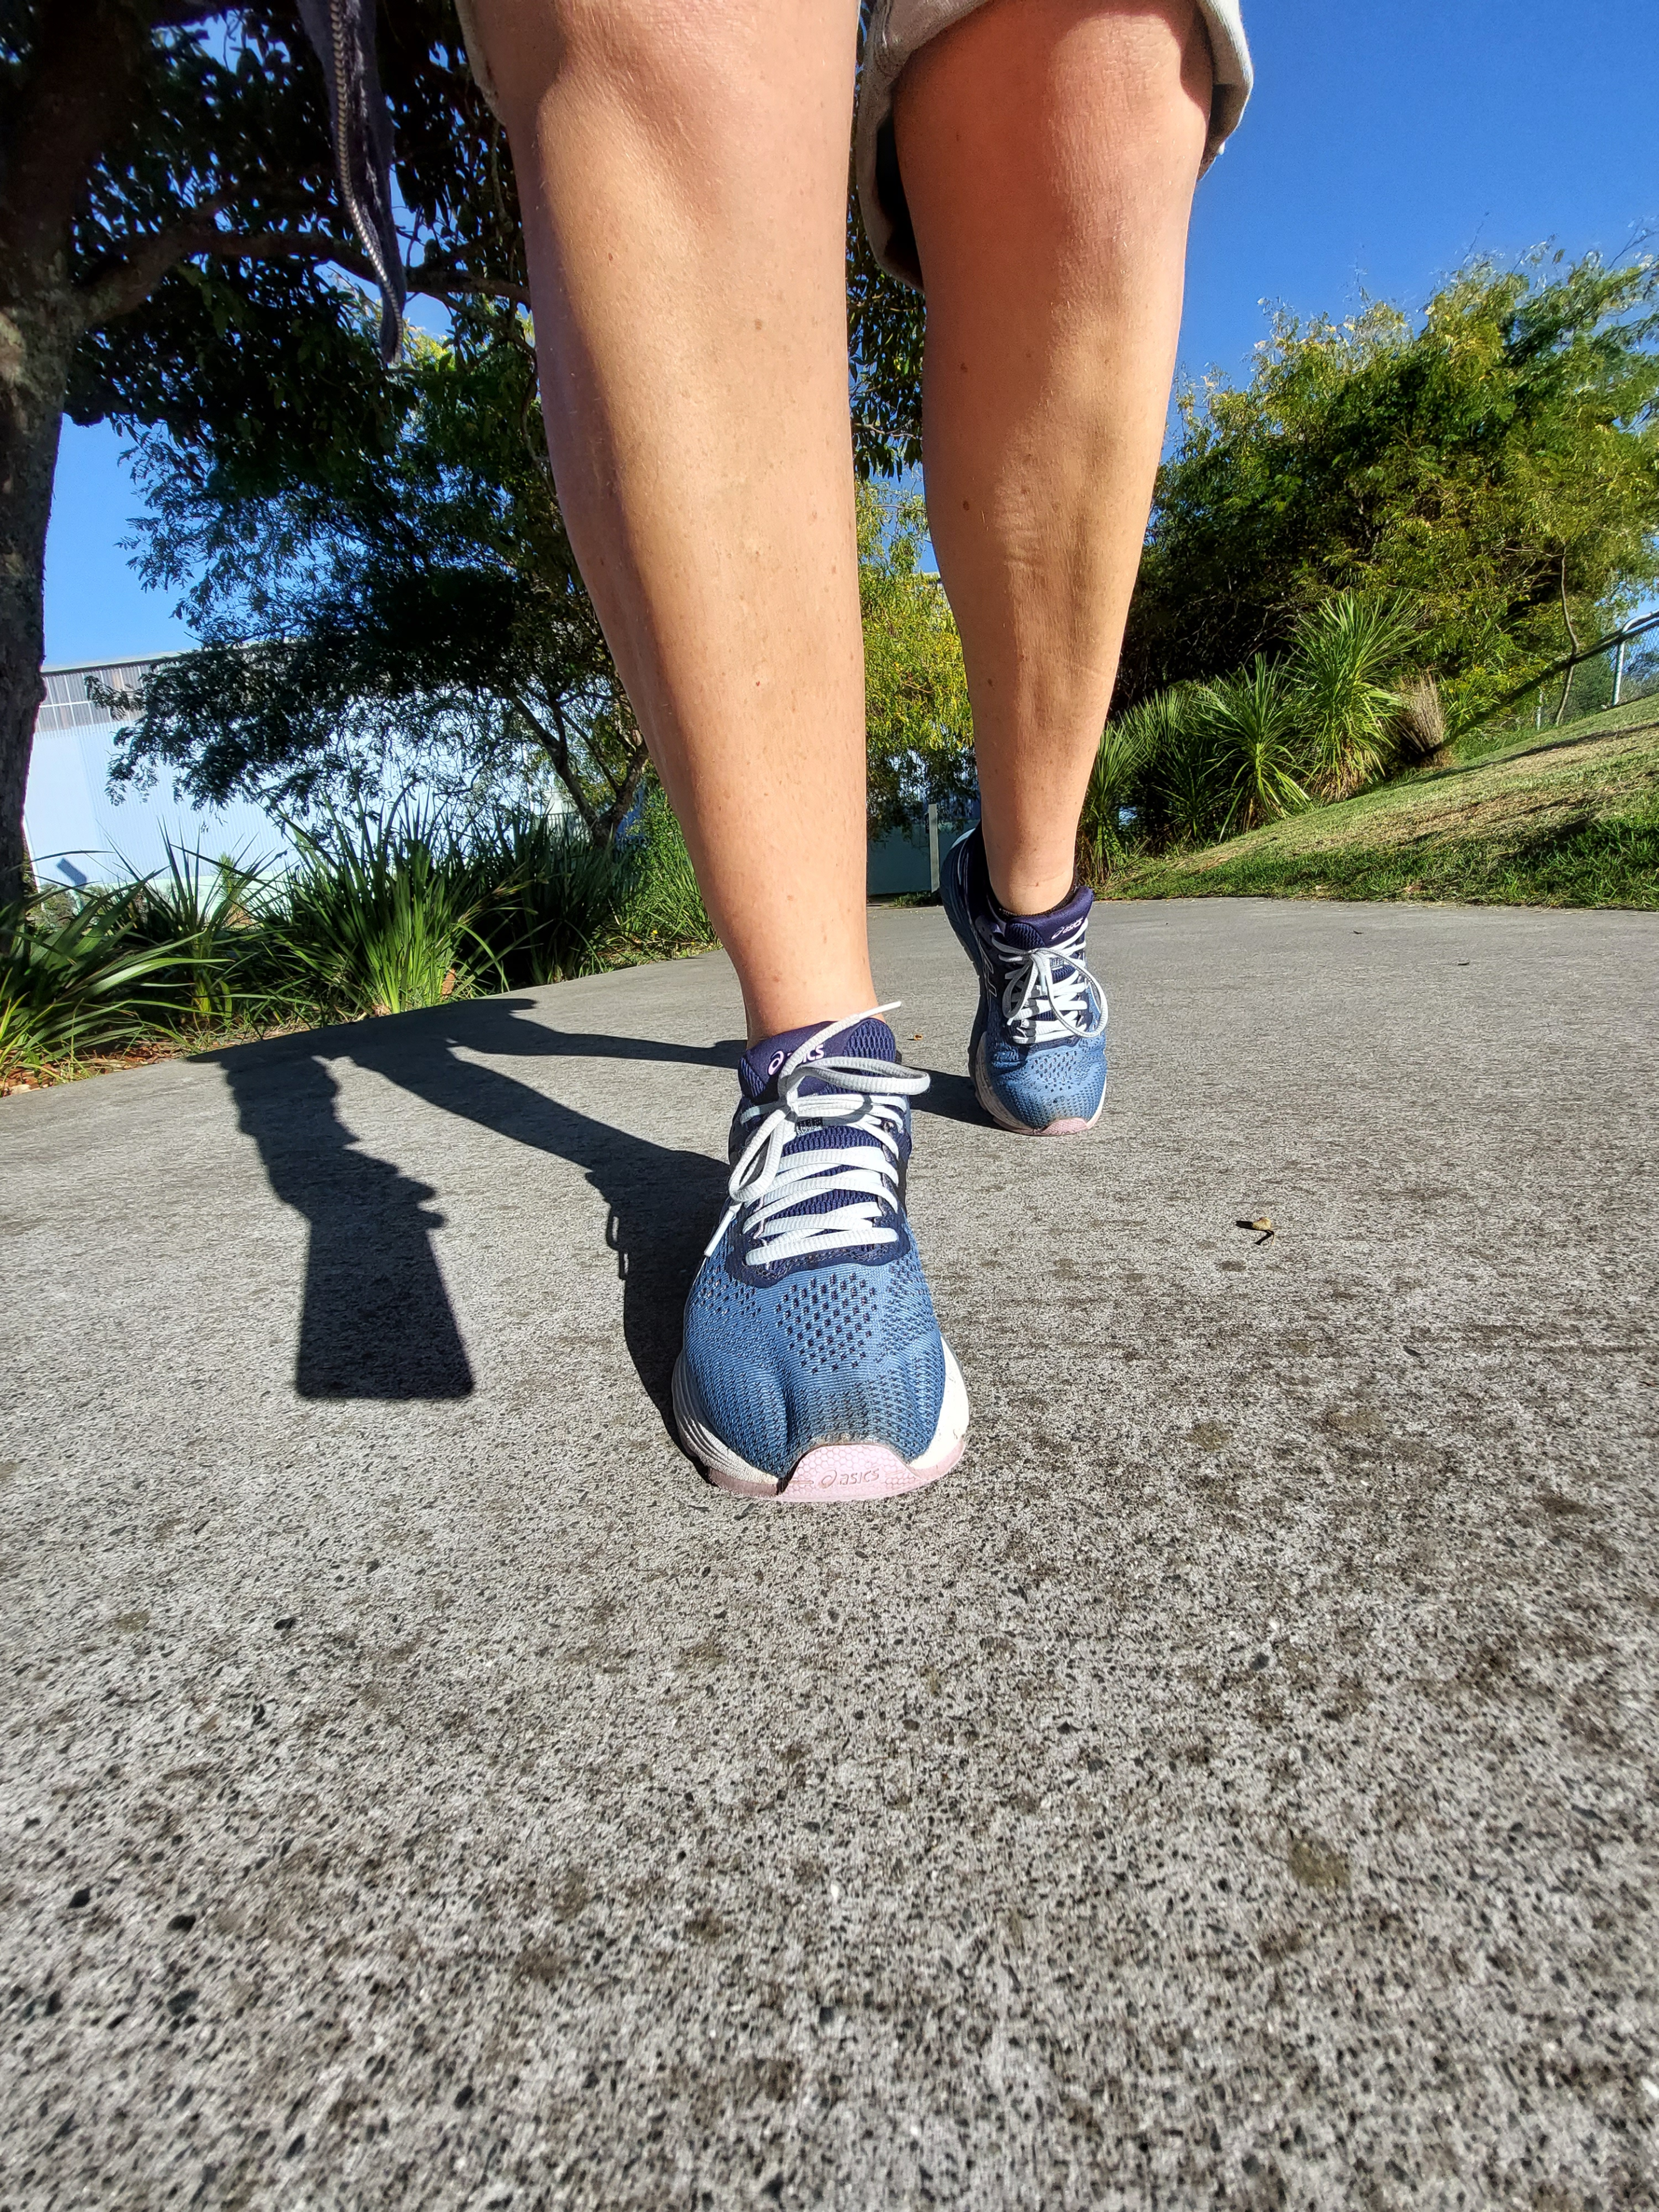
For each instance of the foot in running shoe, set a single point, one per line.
(813, 1366)
(1037, 1054)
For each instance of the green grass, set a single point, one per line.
(1569, 818)
(377, 916)
(1508, 743)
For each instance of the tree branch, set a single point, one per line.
(556, 744)
(1566, 612)
(80, 82)
(1572, 637)
(622, 804)
(118, 290)
(439, 283)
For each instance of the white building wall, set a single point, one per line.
(77, 834)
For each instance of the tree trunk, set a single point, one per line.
(622, 806)
(36, 343)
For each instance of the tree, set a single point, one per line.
(167, 236)
(419, 598)
(1497, 460)
(919, 727)
(885, 325)
(418, 593)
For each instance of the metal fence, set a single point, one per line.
(1616, 670)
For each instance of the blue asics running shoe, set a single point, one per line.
(1037, 1054)
(813, 1367)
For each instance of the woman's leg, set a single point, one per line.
(683, 173)
(1049, 149)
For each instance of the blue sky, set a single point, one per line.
(1384, 145)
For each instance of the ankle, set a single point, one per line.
(1031, 898)
(1026, 894)
(1024, 886)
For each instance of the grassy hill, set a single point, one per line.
(1565, 819)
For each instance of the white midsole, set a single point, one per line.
(713, 1452)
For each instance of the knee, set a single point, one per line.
(1018, 69)
(647, 51)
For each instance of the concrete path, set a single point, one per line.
(1235, 1785)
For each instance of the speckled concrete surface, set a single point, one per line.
(1235, 1785)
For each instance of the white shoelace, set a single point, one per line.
(1049, 994)
(865, 1095)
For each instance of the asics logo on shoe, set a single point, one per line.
(778, 1059)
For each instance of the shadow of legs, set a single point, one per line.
(375, 1320)
(662, 1203)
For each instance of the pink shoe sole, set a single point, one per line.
(835, 1475)
(832, 1475)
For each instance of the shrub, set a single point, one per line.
(550, 901)
(206, 914)
(1180, 782)
(664, 909)
(381, 913)
(1202, 761)
(378, 916)
(1115, 781)
(1248, 726)
(1344, 651)
(71, 979)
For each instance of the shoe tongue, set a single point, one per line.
(1036, 932)
(759, 1068)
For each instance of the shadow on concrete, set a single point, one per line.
(375, 1318)
(952, 1098)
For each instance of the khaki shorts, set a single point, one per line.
(899, 28)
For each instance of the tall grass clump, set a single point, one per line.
(206, 914)
(378, 917)
(73, 981)
(665, 912)
(1112, 802)
(1342, 654)
(550, 902)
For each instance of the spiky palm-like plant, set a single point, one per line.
(1345, 650)
(208, 912)
(1248, 723)
(548, 899)
(1182, 781)
(1127, 744)
(665, 906)
(73, 979)
(378, 916)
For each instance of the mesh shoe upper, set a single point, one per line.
(810, 1322)
(1041, 1018)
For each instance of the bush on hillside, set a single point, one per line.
(1198, 762)
(1496, 458)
